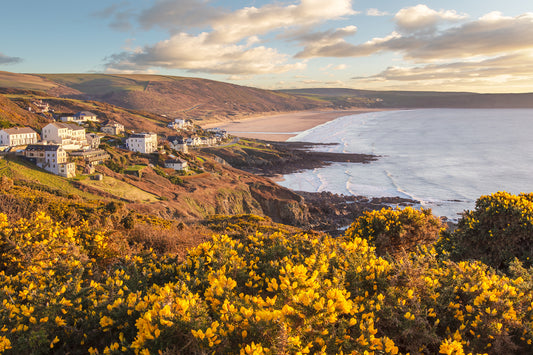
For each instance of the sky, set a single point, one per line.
(467, 45)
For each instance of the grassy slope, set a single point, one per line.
(121, 189)
(20, 169)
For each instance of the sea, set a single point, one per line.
(444, 158)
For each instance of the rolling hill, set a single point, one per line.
(174, 97)
(414, 99)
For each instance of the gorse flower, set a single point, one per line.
(64, 289)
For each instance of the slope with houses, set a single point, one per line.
(62, 141)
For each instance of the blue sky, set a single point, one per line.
(469, 45)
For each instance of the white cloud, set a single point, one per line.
(488, 36)
(197, 54)
(505, 68)
(232, 45)
(376, 12)
(340, 67)
(421, 17)
(252, 21)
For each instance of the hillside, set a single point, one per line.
(413, 99)
(14, 103)
(12, 114)
(174, 97)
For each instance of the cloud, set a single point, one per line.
(120, 16)
(4, 59)
(334, 67)
(207, 57)
(376, 12)
(513, 67)
(252, 21)
(421, 17)
(490, 35)
(174, 15)
(231, 45)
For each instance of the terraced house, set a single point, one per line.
(17, 136)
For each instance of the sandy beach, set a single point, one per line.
(280, 127)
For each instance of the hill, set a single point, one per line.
(12, 114)
(175, 97)
(413, 99)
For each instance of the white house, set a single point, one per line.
(52, 158)
(176, 164)
(80, 117)
(113, 128)
(17, 136)
(142, 142)
(69, 136)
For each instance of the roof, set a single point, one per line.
(142, 135)
(113, 124)
(177, 160)
(19, 130)
(45, 147)
(85, 113)
(71, 126)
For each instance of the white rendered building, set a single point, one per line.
(69, 136)
(145, 143)
(52, 158)
(17, 136)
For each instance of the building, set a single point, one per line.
(40, 107)
(113, 128)
(176, 164)
(179, 124)
(177, 143)
(80, 117)
(193, 141)
(142, 142)
(52, 158)
(69, 136)
(93, 140)
(17, 136)
(218, 132)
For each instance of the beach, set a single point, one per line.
(280, 127)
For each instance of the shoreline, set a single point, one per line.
(279, 127)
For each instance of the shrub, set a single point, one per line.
(497, 231)
(396, 231)
(70, 290)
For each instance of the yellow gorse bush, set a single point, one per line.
(67, 290)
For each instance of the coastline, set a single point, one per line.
(280, 127)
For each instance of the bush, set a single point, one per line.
(70, 290)
(396, 231)
(496, 232)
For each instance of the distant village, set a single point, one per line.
(66, 138)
